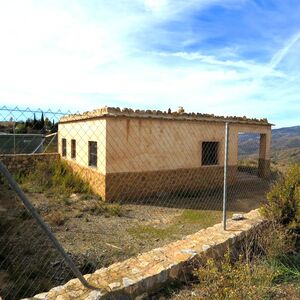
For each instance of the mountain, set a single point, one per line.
(285, 144)
(285, 138)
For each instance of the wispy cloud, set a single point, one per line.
(217, 56)
(280, 54)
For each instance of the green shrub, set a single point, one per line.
(55, 177)
(284, 200)
(239, 280)
(99, 207)
(267, 259)
(114, 210)
(56, 219)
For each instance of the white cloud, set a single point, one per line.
(54, 54)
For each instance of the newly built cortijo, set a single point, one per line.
(126, 154)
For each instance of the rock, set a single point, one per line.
(114, 285)
(127, 281)
(205, 247)
(237, 217)
(135, 271)
(94, 295)
(73, 196)
(189, 251)
(55, 263)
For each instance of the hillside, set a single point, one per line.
(285, 144)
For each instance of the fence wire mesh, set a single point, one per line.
(113, 186)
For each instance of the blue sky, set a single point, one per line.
(227, 57)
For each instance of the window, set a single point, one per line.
(73, 149)
(210, 153)
(64, 147)
(93, 154)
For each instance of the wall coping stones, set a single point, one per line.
(150, 271)
(28, 155)
(179, 115)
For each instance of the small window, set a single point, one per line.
(64, 147)
(93, 154)
(73, 149)
(210, 152)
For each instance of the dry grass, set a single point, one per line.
(268, 267)
(56, 218)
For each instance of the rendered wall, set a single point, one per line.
(141, 145)
(83, 132)
(146, 157)
(150, 157)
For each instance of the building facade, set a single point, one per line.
(125, 154)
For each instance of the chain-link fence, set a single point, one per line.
(113, 183)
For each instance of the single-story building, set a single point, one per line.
(129, 153)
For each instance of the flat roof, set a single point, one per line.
(108, 112)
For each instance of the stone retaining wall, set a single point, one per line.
(25, 162)
(148, 272)
(129, 186)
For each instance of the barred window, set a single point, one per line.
(73, 149)
(210, 153)
(92, 154)
(64, 147)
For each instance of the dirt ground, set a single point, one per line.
(96, 236)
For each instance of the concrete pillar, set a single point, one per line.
(264, 155)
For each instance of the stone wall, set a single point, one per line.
(148, 272)
(133, 185)
(136, 185)
(94, 178)
(130, 186)
(25, 162)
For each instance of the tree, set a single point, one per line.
(21, 128)
(34, 121)
(42, 124)
(29, 123)
(48, 124)
(54, 127)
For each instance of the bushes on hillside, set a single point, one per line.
(269, 263)
(253, 275)
(284, 200)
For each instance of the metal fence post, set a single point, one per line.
(14, 185)
(14, 132)
(225, 174)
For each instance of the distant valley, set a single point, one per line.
(285, 145)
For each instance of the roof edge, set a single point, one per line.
(157, 114)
